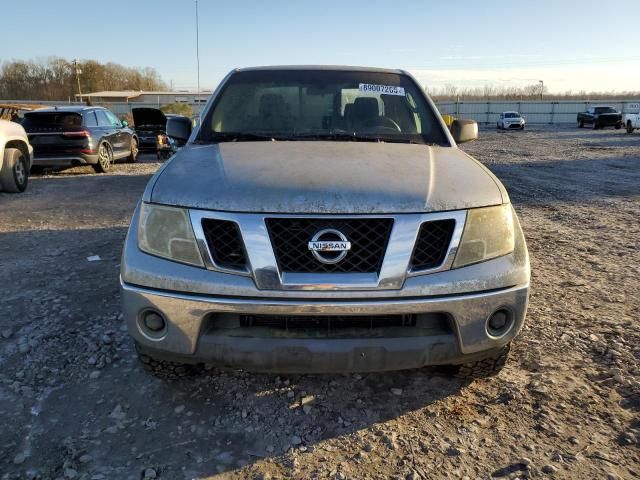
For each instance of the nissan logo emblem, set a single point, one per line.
(329, 246)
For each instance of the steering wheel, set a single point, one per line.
(383, 123)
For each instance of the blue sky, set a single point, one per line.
(465, 43)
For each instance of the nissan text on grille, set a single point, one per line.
(323, 219)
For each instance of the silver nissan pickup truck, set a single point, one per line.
(322, 219)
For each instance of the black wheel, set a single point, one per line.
(522, 127)
(484, 368)
(105, 158)
(14, 175)
(594, 125)
(133, 156)
(629, 127)
(165, 368)
(580, 124)
(618, 126)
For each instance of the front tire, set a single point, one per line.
(618, 126)
(629, 127)
(105, 159)
(580, 124)
(594, 125)
(487, 367)
(14, 176)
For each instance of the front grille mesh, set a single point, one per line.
(292, 322)
(225, 243)
(368, 237)
(432, 244)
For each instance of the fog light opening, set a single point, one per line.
(153, 321)
(152, 324)
(499, 323)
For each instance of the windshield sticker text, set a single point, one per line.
(381, 89)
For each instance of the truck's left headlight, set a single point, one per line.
(488, 233)
(167, 232)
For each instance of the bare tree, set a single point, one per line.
(54, 79)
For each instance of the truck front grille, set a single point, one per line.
(329, 326)
(432, 244)
(292, 322)
(225, 243)
(368, 237)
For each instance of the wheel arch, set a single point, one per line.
(20, 145)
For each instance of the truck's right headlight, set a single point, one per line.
(488, 233)
(167, 232)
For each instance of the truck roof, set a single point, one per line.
(323, 67)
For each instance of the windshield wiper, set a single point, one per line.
(332, 136)
(238, 137)
(352, 136)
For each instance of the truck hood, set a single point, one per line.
(324, 177)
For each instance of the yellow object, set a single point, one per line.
(448, 120)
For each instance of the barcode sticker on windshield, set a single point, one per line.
(381, 89)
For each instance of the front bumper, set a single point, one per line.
(193, 299)
(190, 336)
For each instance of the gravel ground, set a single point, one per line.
(75, 404)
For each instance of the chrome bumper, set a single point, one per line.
(188, 339)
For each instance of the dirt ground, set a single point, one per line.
(75, 404)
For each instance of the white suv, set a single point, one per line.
(16, 157)
(510, 121)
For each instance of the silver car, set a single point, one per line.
(322, 219)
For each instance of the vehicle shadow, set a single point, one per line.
(225, 420)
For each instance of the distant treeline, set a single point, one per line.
(529, 92)
(55, 79)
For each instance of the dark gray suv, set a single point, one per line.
(71, 136)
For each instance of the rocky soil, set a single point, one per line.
(74, 403)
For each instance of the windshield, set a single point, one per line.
(511, 115)
(322, 105)
(605, 110)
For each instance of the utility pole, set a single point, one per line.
(76, 66)
(198, 59)
(541, 88)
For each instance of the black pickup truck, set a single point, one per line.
(600, 117)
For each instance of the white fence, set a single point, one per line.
(549, 112)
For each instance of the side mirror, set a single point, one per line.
(179, 128)
(125, 123)
(464, 130)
